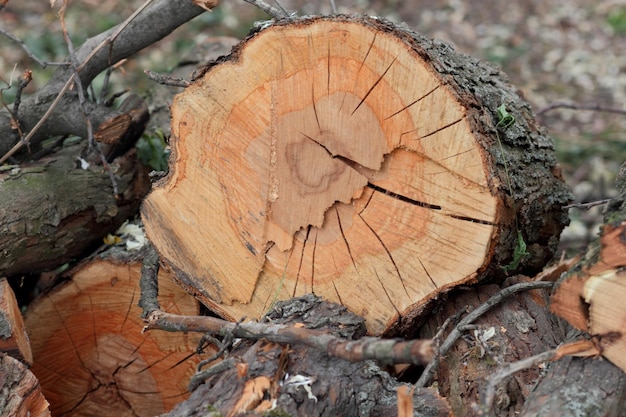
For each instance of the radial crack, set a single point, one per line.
(441, 128)
(345, 239)
(306, 238)
(471, 219)
(313, 261)
(402, 197)
(393, 262)
(373, 86)
(413, 103)
(317, 119)
(427, 273)
(380, 281)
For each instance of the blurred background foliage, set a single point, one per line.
(572, 51)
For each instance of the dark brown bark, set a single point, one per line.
(520, 327)
(54, 212)
(340, 388)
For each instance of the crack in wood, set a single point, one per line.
(393, 262)
(413, 103)
(373, 86)
(313, 261)
(345, 239)
(471, 219)
(440, 129)
(306, 238)
(317, 119)
(427, 273)
(402, 197)
(380, 281)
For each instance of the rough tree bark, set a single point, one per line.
(357, 160)
(520, 327)
(54, 212)
(13, 337)
(266, 376)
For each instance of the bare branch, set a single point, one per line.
(579, 106)
(145, 27)
(457, 332)
(166, 79)
(32, 56)
(387, 351)
(270, 10)
(587, 206)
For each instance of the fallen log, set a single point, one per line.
(300, 381)
(355, 159)
(90, 353)
(54, 210)
(520, 327)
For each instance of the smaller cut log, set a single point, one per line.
(299, 381)
(90, 353)
(20, 392)
(13, 337)
(520, 327)
(591, 296)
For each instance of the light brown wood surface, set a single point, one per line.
(327, 156)
(90, 354)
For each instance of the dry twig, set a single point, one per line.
(386, 351)
(457, 332)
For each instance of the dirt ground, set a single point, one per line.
(553, 51)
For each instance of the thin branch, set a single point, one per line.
(93, 145)
(93, 61)
(457, 332)
(31, 55)
(270, 10)
(166, 79)
(22, 83)
(579, 106)
(587, 206)
(509, 369)
(386, 351)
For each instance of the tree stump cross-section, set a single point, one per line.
(326, 155)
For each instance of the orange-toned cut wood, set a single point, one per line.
(20, 392)
(326, 156)
(90, 354)
(592, 299)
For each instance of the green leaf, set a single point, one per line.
(518, 253)
(152, 150)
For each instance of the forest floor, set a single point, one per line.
(553, 51)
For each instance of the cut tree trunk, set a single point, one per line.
(301, 381)
(520, 327)
(591, 297)
(90, 353)
(13, 337)
(357, 160)
(54, 212)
